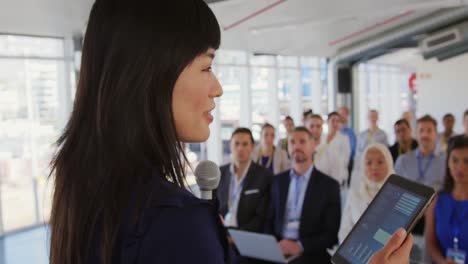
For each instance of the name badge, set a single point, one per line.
(457, 255)
(229, 220)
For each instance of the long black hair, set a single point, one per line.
(122, 126)
(458, 142)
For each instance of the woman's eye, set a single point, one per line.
(207, 69)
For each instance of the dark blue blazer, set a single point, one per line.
(320, 217)
(174, 227)
(253, 201)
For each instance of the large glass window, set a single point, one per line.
(231, 79)
(25, 46)
(262, 80)
(271, 80)
(32, 70)
(385, 89)
(289, 79)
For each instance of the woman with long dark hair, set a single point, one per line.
(145, 87)
(446, 227)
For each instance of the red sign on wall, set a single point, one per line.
(412, 83)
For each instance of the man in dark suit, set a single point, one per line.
(304, 213)
(404, 140)
(243, 191)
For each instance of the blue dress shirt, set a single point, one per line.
(352, 140)
(296, 194)
(428, 170)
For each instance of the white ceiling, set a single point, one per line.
(313, 27)
(299, 27)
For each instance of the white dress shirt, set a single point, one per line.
(235, 190)
(333, 158)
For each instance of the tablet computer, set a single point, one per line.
(399, 203)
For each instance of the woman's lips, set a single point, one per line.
(209, 117)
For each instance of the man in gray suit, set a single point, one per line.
(243, 191)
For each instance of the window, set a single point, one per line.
(262, 81)
(32, 72)
(270, 80)
(231, 78)
(384, 88)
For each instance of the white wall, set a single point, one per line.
(443, 88)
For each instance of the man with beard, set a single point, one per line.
(424, 164)
(304, 212)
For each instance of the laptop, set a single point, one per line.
(259, 246)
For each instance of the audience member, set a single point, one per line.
(244, 188)
(267, 155)
(443, 137)
(306, 115)
(344, 113)
(377, 165)
(404, 140)
(314, 125)
(370, 136)
(424, 164)
(304, 213)
(288, 124)
(332, 155)
(447, 218)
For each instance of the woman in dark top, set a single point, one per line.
(145, 87)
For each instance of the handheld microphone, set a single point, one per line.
(207, 175)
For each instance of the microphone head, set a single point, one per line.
(207, 175)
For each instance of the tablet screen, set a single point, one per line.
(394, 207)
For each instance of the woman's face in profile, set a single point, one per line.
(193, 99)
(376, 167)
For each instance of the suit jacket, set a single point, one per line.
(280, 159)
(254, 198)
(174, 227)
(320, 218)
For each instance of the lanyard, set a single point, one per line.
(422, 171)
(457, 222)
(270, 159)
(285, 144)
